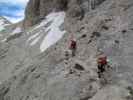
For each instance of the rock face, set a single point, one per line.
(37, 9)
(26, 73)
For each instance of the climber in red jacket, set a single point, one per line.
(73, 46)
(102, 63)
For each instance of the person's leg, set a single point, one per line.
(66, 55)
(103, 68)
(99, 70)
(73, 52)
(92, 2)
(99, 74)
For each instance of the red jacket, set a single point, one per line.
(73, 44)
(102, 60)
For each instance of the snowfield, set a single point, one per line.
(16, 31)
(35, 41)
(3, 23)
(52, 24)
(33, 37)
(55, 33)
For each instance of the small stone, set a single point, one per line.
(83, 36)
(79, 67)
(105, 27)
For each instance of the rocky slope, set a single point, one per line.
(34, 66)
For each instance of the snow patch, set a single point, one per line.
(33, 37)
(55, 33)
(35, 41)
(49, 17)
(4, 40)
(51, 24)
(16, 31)
(1, 28)
(3, 23)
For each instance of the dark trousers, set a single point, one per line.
(101, 69)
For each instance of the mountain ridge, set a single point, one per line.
(34, 67)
